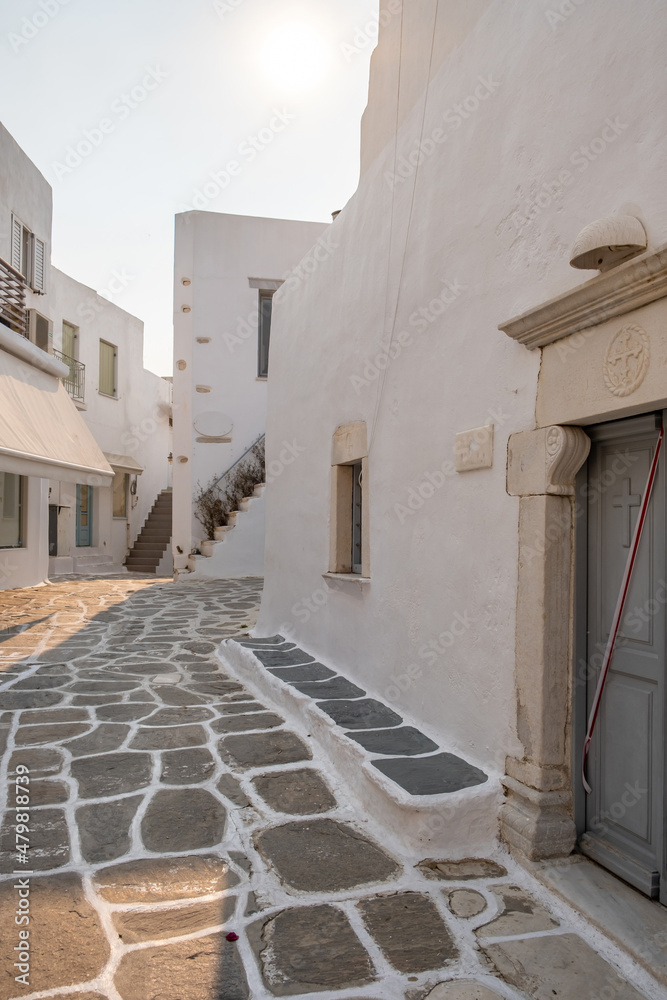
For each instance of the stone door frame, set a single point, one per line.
(596, 366)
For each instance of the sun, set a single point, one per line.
(295, 57)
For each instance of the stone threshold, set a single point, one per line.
(426, 796)
(635, 923)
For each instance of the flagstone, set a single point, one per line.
(74, 948)
(518, 914)
(49, 844)
(14, 700)
(47, 793)
(157, 880)
(111, 774)
(243, 723)
(464, 870)
(187, 767)
(323, 855)
(168, 737)
(46, 715)
(231, 788)
(466, 902)
(178, 715)
(104, 828)
(302, 792)
(309, 949)
(40, 762)
(559, 965)
(108, 736)
(56, 733)
(364, 713)
(205, 968)
(124, 713)
(158, 925)
(264, 749)
(168, 822)
(409, 930)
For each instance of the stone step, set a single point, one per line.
(402, 777)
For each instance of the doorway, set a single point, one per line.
(622, 822)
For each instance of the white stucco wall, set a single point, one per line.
(136, 423)
(27, 194)
(217, 255)
(533, 128)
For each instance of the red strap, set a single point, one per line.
(618, 613)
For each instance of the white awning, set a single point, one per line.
(123, 463)
(41, 431)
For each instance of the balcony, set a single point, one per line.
(75, 382)
(13, 287)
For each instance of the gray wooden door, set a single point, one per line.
(624, 825)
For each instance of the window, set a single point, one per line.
(265, 309)
(28, 255)
(120, 481)
(40, 330)
(12, 491)
(108, 366)
(357, 517)
(349, 549)
(70, 340)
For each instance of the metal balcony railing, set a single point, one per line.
(75, 382)
(13, 311)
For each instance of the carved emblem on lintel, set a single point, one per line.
(627, 360)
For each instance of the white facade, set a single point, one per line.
(45, 433)
(222, 264)
(132, 423)
(40, 430)
(517, 127)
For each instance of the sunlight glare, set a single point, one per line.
(295, 57)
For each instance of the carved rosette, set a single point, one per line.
(566, 451)
(627, 360)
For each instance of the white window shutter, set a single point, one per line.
(17, 243)
(38, 264)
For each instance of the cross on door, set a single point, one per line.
(626, 501)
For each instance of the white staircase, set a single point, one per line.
(238, 549)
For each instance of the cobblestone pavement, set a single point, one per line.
(186, 843)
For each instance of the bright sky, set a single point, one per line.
(159, 95)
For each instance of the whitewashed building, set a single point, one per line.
(41, 432)
(453, 533)
(227, 270)
(72, 449)
(128, 410)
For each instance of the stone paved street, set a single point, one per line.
(187, 842)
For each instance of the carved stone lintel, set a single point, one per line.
(546, 461)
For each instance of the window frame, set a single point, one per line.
(28, 255)
(264, 335)
(102, 392)
(349, 548)
(126, 487)
(21, 501)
